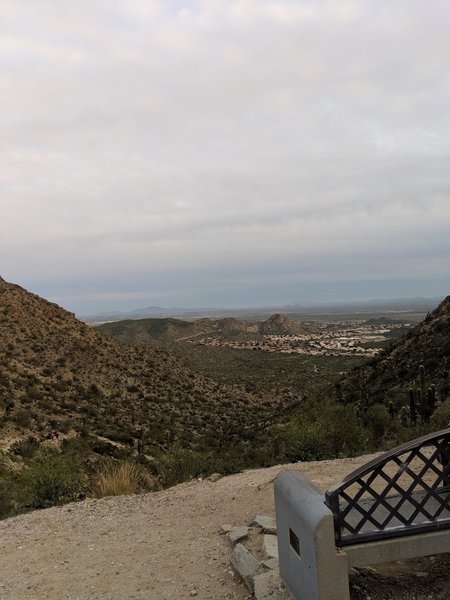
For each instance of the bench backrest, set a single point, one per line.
(401, 492)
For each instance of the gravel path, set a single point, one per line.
(154, 546)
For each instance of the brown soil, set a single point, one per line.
(166, 545)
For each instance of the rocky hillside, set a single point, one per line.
(281, 325)
(391, 374)
(168, 330)
(164, 331)
(138, 332)
(57, 372)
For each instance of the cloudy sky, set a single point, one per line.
(224, 152)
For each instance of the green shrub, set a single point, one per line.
(441, 418)
(9, 490)
(325, 430)
(310, 444)
(25, 448)
(179, 464)
(299, 442)
(52, 478)
(340, 429)
(378, 422)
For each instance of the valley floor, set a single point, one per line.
(166, 545)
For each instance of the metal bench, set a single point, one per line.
(395, 507)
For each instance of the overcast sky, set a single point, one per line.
(224, 152)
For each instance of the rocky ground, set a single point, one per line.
(167, 545)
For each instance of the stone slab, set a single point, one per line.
(271, 563)
(237, 534)
(264, 522)
(246, 565)
(270, 545)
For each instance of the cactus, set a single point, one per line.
(423, 400)
(429, 404)
(391, 409)
(403, 416)
(444, 368)
(422, 380)
(412, 407)
(444, 386)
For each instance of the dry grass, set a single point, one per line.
(118, 479)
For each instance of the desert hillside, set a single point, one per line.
(420, 359)
(163, 331)
(166, 545)
(168, 330)
(56, 372)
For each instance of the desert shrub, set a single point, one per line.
(25, 448)
(9, 489)
(116, 436)
(117, 479)
(105, 449)
(441, 417)
(340, 429)
(179, 464)
(22, 418)
(309, 443)
(52, 478)
(378, 422)
(298, 441)
(318, 430)
(65, 424)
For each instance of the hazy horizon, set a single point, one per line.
(225, 153)
(387, 304)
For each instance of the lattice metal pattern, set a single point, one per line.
(406, 490)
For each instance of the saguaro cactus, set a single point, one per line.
(422, 380)
(412, 406)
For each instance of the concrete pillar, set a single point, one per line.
(310, 564)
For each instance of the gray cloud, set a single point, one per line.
(248, 151)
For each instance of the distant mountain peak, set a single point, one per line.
(278, 324)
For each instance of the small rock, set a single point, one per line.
(214, 477)
(268, 587)
(271, 563)
(270, 545)
(264, 522)
(237, 534)
(194, 593)
(223, 529)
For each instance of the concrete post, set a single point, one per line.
(310, 564)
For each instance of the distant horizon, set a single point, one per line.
(102, 307)
(289, 305)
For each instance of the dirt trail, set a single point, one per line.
(154, 546)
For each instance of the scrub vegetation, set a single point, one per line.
(131, 419)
